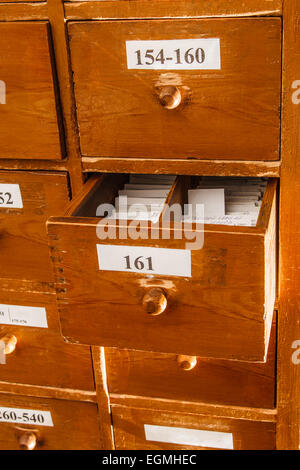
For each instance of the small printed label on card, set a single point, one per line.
(23, 316)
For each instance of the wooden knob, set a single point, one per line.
(10, 342)
(155, 301)
(187, 362)
(170, 97)
(27, 441)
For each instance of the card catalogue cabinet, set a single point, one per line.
(101, 100)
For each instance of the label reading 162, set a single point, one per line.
(22, 416)
(182, 54)
(10, 196)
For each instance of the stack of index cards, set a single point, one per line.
(227, 201)
(143, 198)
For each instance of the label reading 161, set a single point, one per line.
(22, 416)
(182, 54)
(144, 260)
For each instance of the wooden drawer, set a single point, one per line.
(231, 113)
(28, 102)
(191, 378)
(37, 353)
(24, 252)
(224, 310)
(166, 430)
(75, 424)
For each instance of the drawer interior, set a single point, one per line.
(104, 190)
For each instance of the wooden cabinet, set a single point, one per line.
(191, 378)
(66, 425)
(37, 353)
(27, 199)
(227, 112)
(223, 310)
(29, 106)
(155, 430)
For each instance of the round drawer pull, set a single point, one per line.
(170, 97)
(187, 362)
(10, 342)
(155, 301)
(27, 441)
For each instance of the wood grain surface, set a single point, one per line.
(129, 429)
(288, 380)
(232, 113)
(207, 315)
(140, 373)
(30, 119)
(24, 253)
(75, 424)
(41, 356)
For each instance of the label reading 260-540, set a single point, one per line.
(24, 416)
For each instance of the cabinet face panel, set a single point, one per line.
(28, 100)
(231, 113)
(157, 375)
(218, 312)
(24, 252)
(130, 432)
(75, 424)
(41, 357)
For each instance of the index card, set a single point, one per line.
(213, 201)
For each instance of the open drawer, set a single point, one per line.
(154, 294)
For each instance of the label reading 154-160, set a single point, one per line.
(181, 54)
(23, 416)
(10, 196)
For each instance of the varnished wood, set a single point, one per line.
(166, 8)
(75, 425)
(119, 114)
(206, 409)
(10, 342)
(190, 167)
(23, 11)
(23, 244)
(129, 429)
(105, 424)
(154, 301)
(40, 357)
(288, 380)
(204, 316)
(13, 388)
(58, 29)
(138, 373)
(28, 441)
(31, 105)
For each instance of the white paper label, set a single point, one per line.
(144, 260)
(23, 416)
(10, 196)
(23, 316)
(189, 437)
(175, 54)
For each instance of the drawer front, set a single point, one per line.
(74, 424)
(230, 113)
(136, 429)
(206, 314)
(37, 353)
(27, 199)
(191, 378)
(28, 101)
(30, 125)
